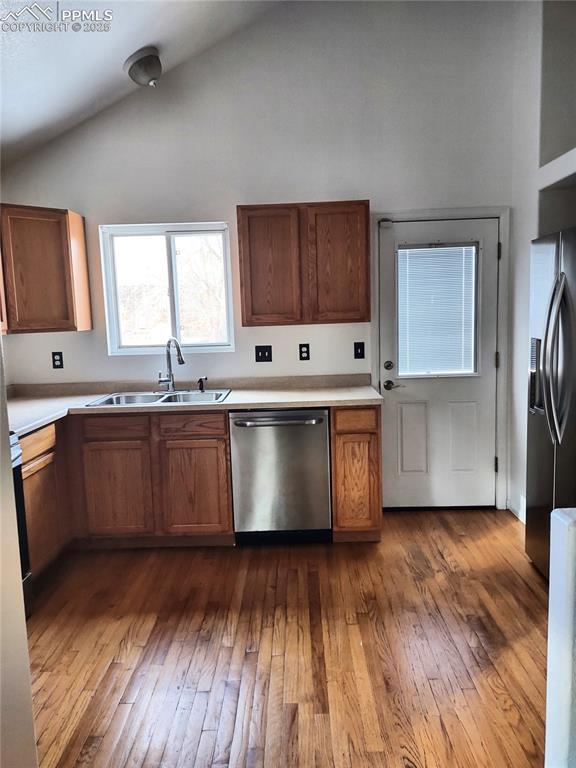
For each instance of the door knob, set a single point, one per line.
(389, 384)
(388, 365)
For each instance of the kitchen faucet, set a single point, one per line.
(167, 379)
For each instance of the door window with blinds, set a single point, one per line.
(437, 309)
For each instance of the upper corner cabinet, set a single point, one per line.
(45, 271)
(305, 263)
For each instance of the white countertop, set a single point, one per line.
(26, 414)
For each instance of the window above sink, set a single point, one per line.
(164, 280)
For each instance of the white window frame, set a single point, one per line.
(108, 232)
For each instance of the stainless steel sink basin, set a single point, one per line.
(129, 398)
(161, 398)
(208, 396)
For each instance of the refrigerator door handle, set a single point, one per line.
(535, 403)
(545, 371)
(555, 381)
(549, 368)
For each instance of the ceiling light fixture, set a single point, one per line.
(144, 66)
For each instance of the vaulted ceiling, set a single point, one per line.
(53, 80)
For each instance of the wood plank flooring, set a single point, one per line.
(424, 651)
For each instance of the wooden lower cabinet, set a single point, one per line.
(41, 498)
(140, 480)
(195, 486)
(356, 477)
(156, 477)
(150, 480)
(118, 487)
(45, 495)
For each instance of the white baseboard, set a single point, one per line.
(518, 509)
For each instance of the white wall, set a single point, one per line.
(17, 740)
(413, 105)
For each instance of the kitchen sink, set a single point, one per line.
(129, 398)
(196, 396)
(161, 398)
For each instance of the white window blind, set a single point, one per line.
(436, 304)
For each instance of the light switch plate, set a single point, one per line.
(359, 350)
(263, 353)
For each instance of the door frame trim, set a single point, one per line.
(502, 215)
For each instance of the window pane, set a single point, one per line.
(201, 286)
(142, 286)
(437, 310)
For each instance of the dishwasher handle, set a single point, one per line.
(279, 422)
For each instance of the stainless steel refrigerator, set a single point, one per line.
(551, 459)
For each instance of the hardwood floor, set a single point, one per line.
(426, 650)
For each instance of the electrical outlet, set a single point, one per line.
(57, 360)
(359, 350)
(263, 354)
(304, 351)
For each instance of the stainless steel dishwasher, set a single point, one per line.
(281, 471)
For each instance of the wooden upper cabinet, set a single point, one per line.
(45, 270)
(339, 262)
(304, 263)
(3, 315)
(270, 265)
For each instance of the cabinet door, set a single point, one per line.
(339, 262)
(41, 499)
(270, 265)
(3, 315)
(195, 486)
(37, 269)
(118, 487)
(356, 482)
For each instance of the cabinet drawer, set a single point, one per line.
(120, 427)
(195, 424)
(355, 420)
(37, 443)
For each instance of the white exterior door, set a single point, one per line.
(438, 331)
